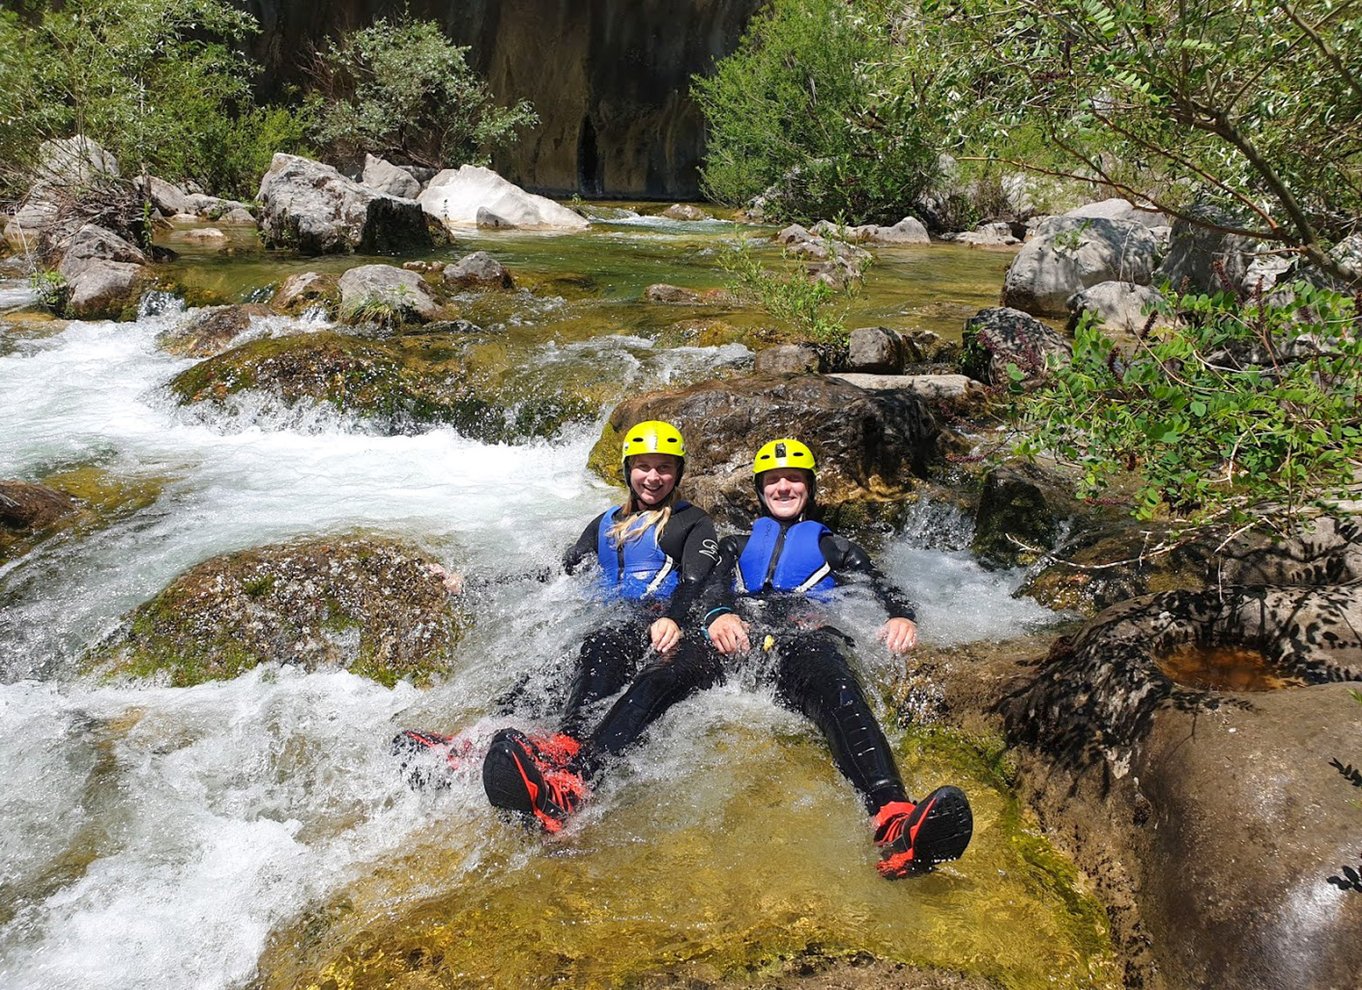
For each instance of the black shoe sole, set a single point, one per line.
(503, 777)
(947, 829)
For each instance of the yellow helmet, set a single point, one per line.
(784, 453)
(652, 437)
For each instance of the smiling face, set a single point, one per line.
(652, 478)
(785, 492)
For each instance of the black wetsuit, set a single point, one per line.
(613, 654)
(813, 671)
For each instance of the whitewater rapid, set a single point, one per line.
(155, 837)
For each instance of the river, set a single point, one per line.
(256, 833)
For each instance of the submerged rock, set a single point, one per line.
(75, 501)
(307, 291)
(363, 604)
(405, 384)
(212, 330)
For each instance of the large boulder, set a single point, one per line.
(312, 208)
(872, 446)
(69, 172)
(1119, 209)
(74, 162)
(386, 295)
(105, 275)
(998, 337)
(363, 604)
(389, 179)
(1196, 742)
(1067, 254)
(456, 196)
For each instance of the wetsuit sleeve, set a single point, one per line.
(849, 561)
(718, 590)
(695, 547)
(584, 549)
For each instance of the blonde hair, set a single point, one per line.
(631, 523)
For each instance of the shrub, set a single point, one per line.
(402, 90)
(801, 305)
(1242, 409)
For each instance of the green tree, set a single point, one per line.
(1252, 106)
(157, 82)
(402, 90)
(799, 106)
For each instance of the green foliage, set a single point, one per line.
(402, 90)
(797, 107)
(156, 82)
(51, 288)
(1250, 105)
(1241, 408)
(801, 305)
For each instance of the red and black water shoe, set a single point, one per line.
(916, 837)
(536, 783)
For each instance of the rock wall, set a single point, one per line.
(609, 78)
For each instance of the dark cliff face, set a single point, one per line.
(609, 78)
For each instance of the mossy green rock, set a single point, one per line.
(400, 385)
(363, 604)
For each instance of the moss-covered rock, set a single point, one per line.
(363, 604)
(74, 501)
(403, 384)
(212, 330)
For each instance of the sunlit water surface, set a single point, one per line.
(257, 832)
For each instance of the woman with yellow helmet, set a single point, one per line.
(654, 553)
(776, 576)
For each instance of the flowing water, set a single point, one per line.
(257, 833)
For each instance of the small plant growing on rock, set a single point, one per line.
(51, 288)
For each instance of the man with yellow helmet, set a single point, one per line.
(776, 575)
(653, 552)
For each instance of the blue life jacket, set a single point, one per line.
(638, 569)
(787, 560)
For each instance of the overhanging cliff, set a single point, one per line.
(609, 78)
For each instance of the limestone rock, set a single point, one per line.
(677, 295)
(948, 390)
(478, 270)
(105, 274)
(363, 604)
(389, 179)
(685, 211)
(871, 446)
(385, 294)
(995, 338)
(168, 198)
(75, 161)
(1196, 253)
(1019, 516)
(996, 234)
(1120, 307)
(1119, 209)
(308, 290)
(789, 359)
(1232, 810)
(874, 350)
(312, 208)
(456, 196)
(1068, 254)
(206, 237)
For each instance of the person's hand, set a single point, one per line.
(728, 633)
(452, 580)
(900, 635)
(665, 634)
